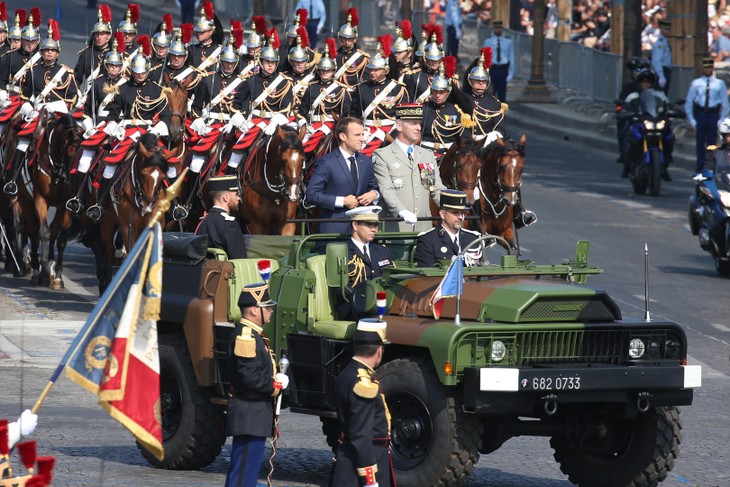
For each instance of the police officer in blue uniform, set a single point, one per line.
(362, 455)
(222, 229)
(661, 56)
(707, 104)
(255, 383)
(447, 240)
(503, 60)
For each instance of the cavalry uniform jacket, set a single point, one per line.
(418, 82)
(252, 367)
(136, 104)
(5, 47)
(156, 62)
(353, 74)
(96, 104)
(437, 244)
(90, 58)
(441, 126)
(210, 87)
(172, 72)
(487, 114)
(300, 82)
(280, 99)
(223, 233)
(365, 425)
(384, 113)
(41, 75)
(407, 184)
(197, 53)
(336, 102)
(11, 64)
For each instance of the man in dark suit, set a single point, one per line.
(343, 179)
(222, 229)
(447, 240)
(365, 259)
(255, 383)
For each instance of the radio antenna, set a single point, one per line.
(647, 313)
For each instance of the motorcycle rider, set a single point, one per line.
(715, 151)
(647, 80)
(634, 65)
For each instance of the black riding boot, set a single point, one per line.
(180, 211)
(11, 186)
(76, 204)
(523, 217)
(96, 210)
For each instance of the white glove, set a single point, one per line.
(373, 485)
(408, 216)
(238, 121)
(473, 257)
(4, 98)
(662, 82)
(276, 120)
(200, 127)
(160, 129)
(87, 124)
(26, 110)
(509, 78)
(693, 123)
(282, 379)
(24, 426)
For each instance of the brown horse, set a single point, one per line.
(499, 186)
(136, 193)
(460, 169)
(271, 183)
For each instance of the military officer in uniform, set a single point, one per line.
(363, 456)
(91, 58)
(222, 229)
(128, 27)
(299, 71)
(161, 44)
(352, 61)
(403, 50)
(706, 105)
(419, 82)
(503, 60)
(442, 120)
(447, 240)
(14, 35)
(487, 113)
(255, 383)
(16, 64)
(254, 43)
(209, 40)
(407, 174)
(661, 56)
(5, 45)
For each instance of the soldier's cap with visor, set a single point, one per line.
(497, 23)
(409, 111)
(255, 295)
(665, 23)
(223, 183)
(453, 199)
(371, 331)
(708, 62)
(364, 213)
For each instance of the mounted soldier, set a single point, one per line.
(419, 83)
(293, 36)
(375, 100)
(14, 32)
(128, 27)
(442, 120)
(255, 42)
(5, 45)
(486, 111)
(299, 71)
(403, 49)
(324, 100)
(209, 35)
(351, 60)
(91, 58)
(177, 54)
(160, 45)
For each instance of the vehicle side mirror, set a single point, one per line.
(336, 264)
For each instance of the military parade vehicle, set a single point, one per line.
(532, 352)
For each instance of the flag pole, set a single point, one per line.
(164, 205)
(460, 278)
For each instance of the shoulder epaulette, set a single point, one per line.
(67, 68)
(245, 344)
(471, 231)
(83, 49)
(286, 76)
(427, 231)
(365, 387)
(503, 107)
(713, 147)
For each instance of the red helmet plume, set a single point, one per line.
(22, 16)
(302, 34)
(27, 451)
(352, 12)
(406, 29)
(186, 33)
(55, 29)
(487, 53)
(449, 66)
(4, 447)
(237, 35)
(236, 25)
(36, 13)
(439, 31)
(106, 13)
(119, 37)
(134, 12)
(144, 41)
(209, 10)
(167, 19)
(302, 15)
(259, 22)
(45, 468)
(386, 42)
(273, 33)
(331, 47)
(3, 12)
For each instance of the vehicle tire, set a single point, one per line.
(722, 266)
(640, 179)
(433, 442)
(193, 428)
(655, 172)
(693, 215)
(636, 452)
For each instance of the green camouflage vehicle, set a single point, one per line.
(535, 353)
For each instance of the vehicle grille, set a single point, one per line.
(561, 309)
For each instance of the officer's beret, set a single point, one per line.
(255, 295)
(371, 331)
(223, 183)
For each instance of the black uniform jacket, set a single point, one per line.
(441, 123)
(98, 95)
(353, 74)
(365, 426)
(139, 102)
(223, 233)
(336, 102)
(367, 91)
(11, 63)
(419, 81)
(90, 58)
(197, 53)
(361, 268)
(436, 244)
(209, 88)
(251, 406)
(281, 99)
(41, 74)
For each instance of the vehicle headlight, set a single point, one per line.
(671, 349)
(660, 124)
(724, 197)
(636, 348)
(499, 351)
(649, 125)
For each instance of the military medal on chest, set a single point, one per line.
(428, 174)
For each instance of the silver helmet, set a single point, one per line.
(178, 46)
(140, 62)
(52, 41)
(229, 53)
(300, 20)
(257, 38)
(163, 37)
(480, 72)
(403, 41)
(380, 60)
(348, 30)
(434, 51)
(206, 21)
(129, 24)
(299, 52)
(439, 81)
(328, 61)
(114, 56)
(16, 30)
(3, 17)
(270, 52)
(104, 20)
(31, 31)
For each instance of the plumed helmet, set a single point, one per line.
(3, 16)
(328, 61)
(441, 80)
(16, 30)
(257, 37)
(349, 28)
(140, 62)
(380, 60)
(31, 31)
(724, 128)
(434, 50)
(646, 75)
(300, 20)
(206, 21)
(104, 20)
(52, 41)
(229, 53)
(270, 52)
(180, 39)
(129, 24)
(403, 41)
(162, 37)
(299, 52)
(114, 57)
(480, 72)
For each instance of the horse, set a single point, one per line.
(460, 169)
(49, 175)
(271, 181)
(136, 192)
(499, 186)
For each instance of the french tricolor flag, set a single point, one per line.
(381, 302)
(265, 269)
(451, 286)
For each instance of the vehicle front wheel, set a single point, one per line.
(433, 442)
(636, 452)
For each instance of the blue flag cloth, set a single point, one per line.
(451, 286)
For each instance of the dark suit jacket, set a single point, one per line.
(379, 258)
(436, 244)
(331, 178)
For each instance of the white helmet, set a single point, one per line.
(724, 127)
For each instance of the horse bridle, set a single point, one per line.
(139, 195)
(503, 188)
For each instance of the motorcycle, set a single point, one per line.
(650, 129)
(709, 212)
